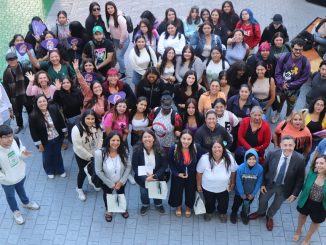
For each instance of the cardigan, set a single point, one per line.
(306, 189)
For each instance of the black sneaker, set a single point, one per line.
(207, 217)
(244, 218)
(143, 210)
(233, 218)
(17, 131)
(160, 209)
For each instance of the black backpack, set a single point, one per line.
(308, 38)
(130, 26)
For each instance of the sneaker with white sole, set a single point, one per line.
(63, 175)
(81, 194)
(32, 205)
(131, 179)
(276, 117)
(18, 218)
(51, 176)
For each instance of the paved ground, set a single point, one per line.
(63, 219)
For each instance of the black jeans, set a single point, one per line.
(176, 193)
(81, 174)
(222, 199)
(237, 202)
(108, 190)
(17, 104)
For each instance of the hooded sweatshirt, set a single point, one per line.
(62, 32)
(249, 180)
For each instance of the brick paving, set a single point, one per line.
(63, 219)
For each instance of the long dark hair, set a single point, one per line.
(115, 14)
(94, 99)
(312, 105)
(12, 41)
(313, 165)
(254, 76)
(225, 155)
(62, 12)
(149, 16)
(83, 124)
(134, 110)
(151, 70)
(137, 51)
(243, 41)
(276, 35)
(122, 149)
(210, 55)
(36, 112)
(232, 12)
(165, 59)
(197, 113)
(219, 22)
(37, 75)
(233, 70)
(77, 29)
(92, 5)
(192, 59)
(192, 149)
(189, 19)
(201, 26)
(194, 87)
(202, 12)
(149, 26)
(115, 113)
(167, 34)
(166, 14)
(139, 147)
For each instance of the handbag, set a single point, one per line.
(117, 203)
(157, 189)
(199, 205)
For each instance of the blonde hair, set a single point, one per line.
(292, 115)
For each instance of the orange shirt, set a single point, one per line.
(205, 101)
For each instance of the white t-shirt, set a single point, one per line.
(228, 120)
(149, 159)
(215, 180)
(112, 168)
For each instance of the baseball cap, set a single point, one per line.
(97, 29)
(112, 72)
(11, 56)
(277, 19)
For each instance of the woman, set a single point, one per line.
(55, 67)
(237, 49)
(215, 64)
(225, 87)
(167, 67)
(113, 85)
(87, 137)
(117, 120)
(210, 131)
(94, 97)
(242, 103)
(225, 118)
(219, 27)
(237, 76)
(170, 16)
(171, 37)
(263, 88)
(77, 31)
(22, 57)
(61, 28)
(40, 83)
(188, 61)
(48, 129)
(229, 16)
(34, 38)
(139, 120)
(189, 88)
(192, 118)
(70, 99)
(251, 29)
(147, 30)
(254, 132)
(191, 23)
(295, 127)
(117, 24)
(205, 15)
(312, 200)
(152, 87)
(90, 73)
(112, 167)
(204, 40)
(141, 57)
(206, 99)
(148, 153)
(183, 158)
(216, 178)
(279, 46)
(95, 19)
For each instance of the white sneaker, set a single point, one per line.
(131, 179)
(276, 117)
(51, 176)
(81, 194)
(64, 175)
(32, 205)
(18, 218)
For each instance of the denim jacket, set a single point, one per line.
(198, 42)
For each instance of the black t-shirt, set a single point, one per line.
(99, 53)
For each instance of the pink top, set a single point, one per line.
(121, 31)
(33, 90)
(119, 125)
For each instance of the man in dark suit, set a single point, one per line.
(284, 171)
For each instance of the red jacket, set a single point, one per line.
(252, 34)
(264, 137)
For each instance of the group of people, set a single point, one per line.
(198, 111)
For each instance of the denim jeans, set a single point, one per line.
(52, 158)
(145, 199)
(136, 77)
(120, 53)
(319, 39)
(10, 194)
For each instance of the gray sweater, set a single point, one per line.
(197, 66)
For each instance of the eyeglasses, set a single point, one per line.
(9, 136)
(96, 9)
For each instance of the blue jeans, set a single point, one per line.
(120, 53)
(145, 199)
(136, 77)
(10, 194)
(52, 158)
(7, 122)
(319, 39)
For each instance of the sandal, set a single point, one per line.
(108, 217)
(178, 212)
(125, 215)
(188, 213)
